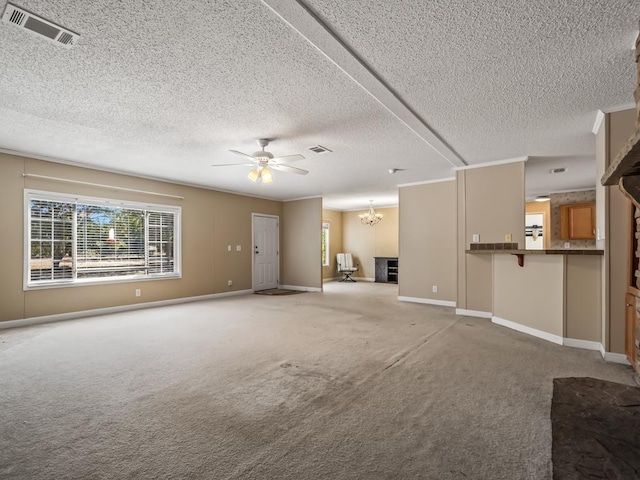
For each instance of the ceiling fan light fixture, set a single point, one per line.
(254, 175)
(266, 174)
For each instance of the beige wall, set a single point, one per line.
(365, 242)
(334, 219)
(300, 242)
(211, 220)
(428, 241)
(493, 199)
(531, 295)
(583, 316)
(620, 126)
(545, 209)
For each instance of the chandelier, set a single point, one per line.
(370, 218)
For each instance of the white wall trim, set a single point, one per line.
(331, 279)
(598, 121)
(24, 322)
(363, 279)
(550, 337)
(620, 108)
(428, 301)
(584, 344)
(473, 313)
(301, 198)
(440, 180)
(494, 163)
(300, 288)
(616, 358)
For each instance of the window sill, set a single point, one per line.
(102, 281)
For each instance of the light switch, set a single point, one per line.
(238, 248)
(228, 248)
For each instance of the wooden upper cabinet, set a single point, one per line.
(578, 221)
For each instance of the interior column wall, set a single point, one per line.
(428, 241)
(620, 126)
(300, 243)
(493, 199)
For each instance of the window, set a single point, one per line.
(84, 240)
(325, 244)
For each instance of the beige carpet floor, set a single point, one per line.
(344, 384)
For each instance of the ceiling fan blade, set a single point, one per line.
(286, 159)
(243, 155)
(286, 168)
(233, 165)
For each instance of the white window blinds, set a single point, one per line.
(91, 240)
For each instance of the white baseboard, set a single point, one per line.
(584, 344)
(550, 337)
(616, 358)
(301, 289)
(613, 357)
(25, 322)
(428, 301)
(473, 313)
(331, 279)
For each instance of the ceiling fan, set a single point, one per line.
(264, 161)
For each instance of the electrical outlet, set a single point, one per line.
(507, 237)
(229, 282)
(567, 245)
(228, 248)
(475, 238)
(138, 292)
(238, 248)
(435, 289)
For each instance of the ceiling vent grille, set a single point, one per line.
(39, 26)
(319, 149)
(558, 170)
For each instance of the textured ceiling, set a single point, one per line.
(165, 89)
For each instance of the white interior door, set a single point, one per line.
(265, 252)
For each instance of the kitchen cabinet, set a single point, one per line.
(578, 221)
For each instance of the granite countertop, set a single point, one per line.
(560, 251)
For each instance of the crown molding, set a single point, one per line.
(426, 182)
(494, 163)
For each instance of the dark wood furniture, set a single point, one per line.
(386, 269)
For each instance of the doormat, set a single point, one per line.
(278, 291)
(595, 428)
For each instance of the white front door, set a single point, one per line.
(265, 252)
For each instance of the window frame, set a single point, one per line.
(326, 262)
(31, 194)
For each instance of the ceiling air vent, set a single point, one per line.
(319, 149)
(39, 26)
(558, 170)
